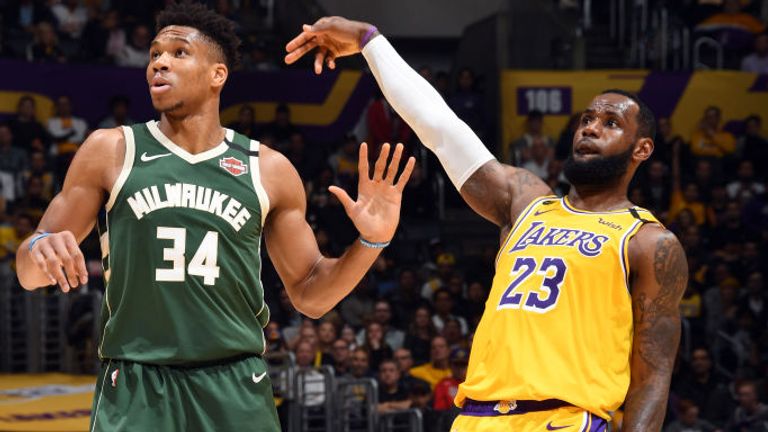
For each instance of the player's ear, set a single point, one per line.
(643, 149)
(219, 74)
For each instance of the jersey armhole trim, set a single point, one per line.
(624, 248)
(257, 185)
(130, 153)
(520, 218)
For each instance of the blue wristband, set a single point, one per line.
(373, 245)
(34, 240)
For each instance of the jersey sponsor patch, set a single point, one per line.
(234, 166)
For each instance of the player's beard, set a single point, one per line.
(170, 108)
(599, 170)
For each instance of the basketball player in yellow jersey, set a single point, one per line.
(583, 313)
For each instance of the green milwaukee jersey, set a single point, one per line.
(180, 242)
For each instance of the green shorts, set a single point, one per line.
(235, 395)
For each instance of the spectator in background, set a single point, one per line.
(274, 338)
(392, 395)
(375, 345)
(438, 366)
(26, 14)
(384, 125)
(751, 415)
(656, 190)
(446, 389)
(246, 121)
(666, 139)
(418, 197)
(688, 419)
(705, 388)
(71, 17)
(444, 311)
(745, 186)
(67, 132)
(755, 300)
(344, 163)
(326, 336)
(709, 140)
(753, 145)
(104, 39)
(257, 58)
(38, 167)
(420, 334)
(442, 83)
(281, 128)
(565, 141)
(45, 47)
(520, 149)
(357, 307)
(33, 202)
(135, 53)
(446, 268)
(342, 357)
(312, 392)
(468, 103)
(361, 364)
(733, 28)
(119, 106)
(757, 62)
(404, 361)
(28, 133)
(540, 157)
(382, 314)
(687, 198)
(13, 160)
(406, 297)
(705, 178)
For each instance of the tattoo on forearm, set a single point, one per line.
(657, 335)
(656, 321)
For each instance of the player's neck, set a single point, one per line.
(194, 133)
(597, 199)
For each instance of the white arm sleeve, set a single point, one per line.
(459, 150)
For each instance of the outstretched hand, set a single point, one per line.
(376, 212)
(333, 37)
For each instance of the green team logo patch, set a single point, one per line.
(233, 166)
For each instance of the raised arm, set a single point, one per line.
(495, 191)
(659, 278)
(314, 283)
(56, 258)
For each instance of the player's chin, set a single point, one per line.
(166, 106)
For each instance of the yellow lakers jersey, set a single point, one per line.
(558, 320)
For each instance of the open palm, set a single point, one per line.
(376, 212)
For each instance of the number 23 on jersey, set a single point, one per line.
(521, 295)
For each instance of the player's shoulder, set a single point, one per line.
(654, 243)
(279, 177)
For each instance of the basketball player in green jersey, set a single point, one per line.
(186, 204)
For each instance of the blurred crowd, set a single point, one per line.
(410, 322)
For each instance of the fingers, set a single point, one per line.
(319, 58)
(297, 51)
(53, 264)
(39, 259)
(362, 163)
(300, 40)
(394, 164)
(60, 258)
(381, 163)
(406, 175)
(343, 197)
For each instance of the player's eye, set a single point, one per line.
(154, 55)
(180, 52)
(612, 123)
(586, 120)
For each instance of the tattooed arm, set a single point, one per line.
(659, 278)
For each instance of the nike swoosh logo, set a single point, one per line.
(540, 212)
(551, 428)
(147, 158)
(257, 379)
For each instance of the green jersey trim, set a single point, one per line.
(185, 155)
(257, 186)
(130, 153)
